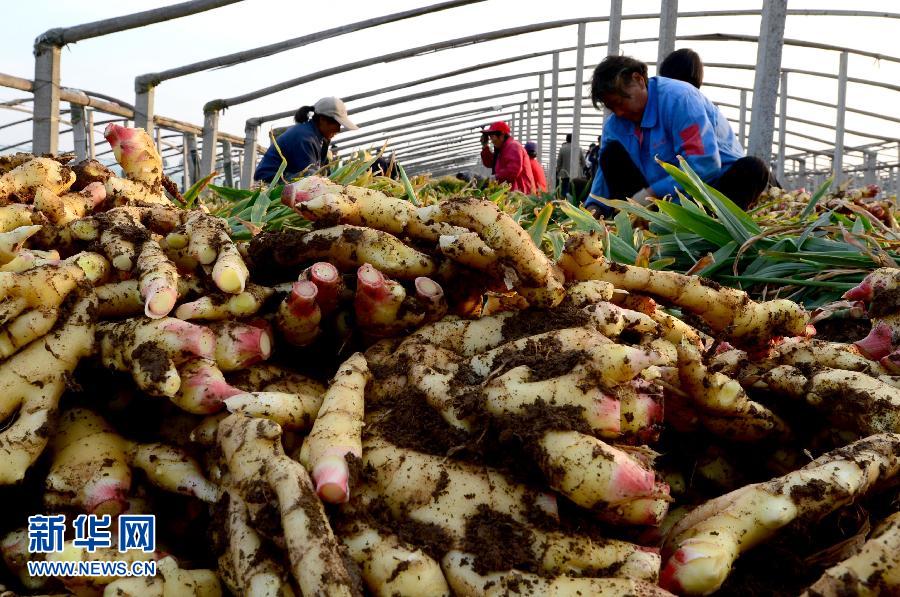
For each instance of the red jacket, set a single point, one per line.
(537, 172)
(510, 164)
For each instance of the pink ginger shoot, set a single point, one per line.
(377, 298)
(136, 153)
(299, 314)
(328, 282)
(879, 343)
(239, 345)
(203, 388)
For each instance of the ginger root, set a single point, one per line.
(701, 548)
(254, 454)
(337, 431)
(725, 310)
(34, 380)
(23, 180)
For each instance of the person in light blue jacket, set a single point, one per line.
(663, 118)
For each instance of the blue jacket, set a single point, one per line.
(678, 120)
(302, 145)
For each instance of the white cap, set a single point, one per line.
(333, 107)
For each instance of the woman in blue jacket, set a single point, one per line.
(305, 145)
(660, 117)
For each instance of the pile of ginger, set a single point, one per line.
(418, 401)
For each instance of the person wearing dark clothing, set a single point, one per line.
(562, 165)
(743, 182)
(686, 65)
(385, 165)
(305, 145)
(592, 159)
(663, 118)
(683, 65)
(537, 171)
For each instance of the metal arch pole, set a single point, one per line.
(782, 123)
(742, 123)
(432, 108)
(185, 163)
(377, 136)
(528, 116)
(227, 164)
(419, 150)
(416, 149)
(870, 164)
(210, 142)
(575, 148)
(615, 28)
(78, 131)
(837, 164)
(47, 52)
(434, 122)
(194, 161)
(668, 21)
(405, 127)
(896, 184)
(540, 122)
(145, 85)
(453, 163)
(401, 133)
(143, 109)
(69, 35)
(459, 150)
(489, 36)
(765, 87)
(450, 89)
(89, 131)
(393, 57)
(438, 142)
(521, 121)
(455, 150)
(462, 151)
(45, 126)
(554, 107)
(754, 39)
(251, 133)
(615, 36)
(493, 63)
(152, 79)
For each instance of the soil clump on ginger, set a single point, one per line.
(531, 322)
(498, 542)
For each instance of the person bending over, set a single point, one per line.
(508, 162)
(683, 65)
(660, 117)
(305, 145)
(537, 171)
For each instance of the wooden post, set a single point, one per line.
(210, 142)
(78, 131)
(837, 163)
(554, 107)
(765, 87)
(45, 126)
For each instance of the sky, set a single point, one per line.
(109, 64)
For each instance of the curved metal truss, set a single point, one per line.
(442, 136)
